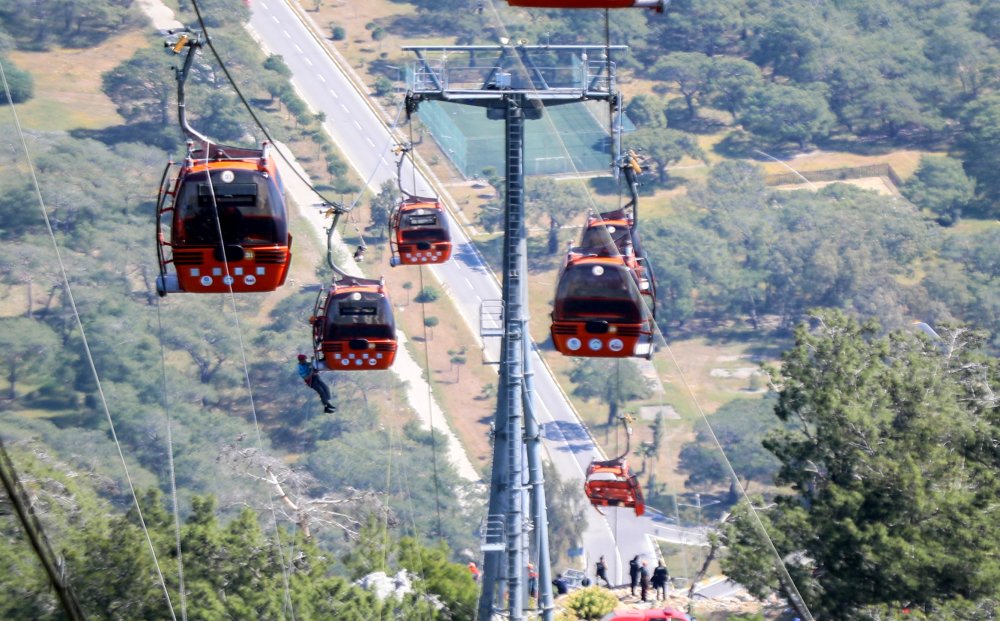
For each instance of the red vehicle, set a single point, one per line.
(605, 304)
(228, 220)
(420, 233)
(610, 484)
(228, 223)
(647, 615)
(418, 226)
(599, 310)
(353, 326)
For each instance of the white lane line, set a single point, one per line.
(369, 140)
(276, 20)
(334, 93)
(321, 78)
(469, 282)
(358, 125)
(308, 62)
(298, 49)
(285, 32)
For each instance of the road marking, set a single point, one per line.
(334, 93)
(366, 137)
(276, 20)
(298, 49)
(285, 32)
(358, 125)
(321, 78)
(308, 62)
(346, 109)
(469, 282)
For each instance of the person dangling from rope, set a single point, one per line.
(312, 379)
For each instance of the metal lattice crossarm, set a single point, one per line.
(551, 73)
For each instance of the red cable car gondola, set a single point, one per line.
(610, 484)
(419, 226)
(599, 310)
(353, 326)
(605, 303)
(228, 224)
(228, 220)
(420, 233)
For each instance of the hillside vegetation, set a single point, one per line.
(872, 446)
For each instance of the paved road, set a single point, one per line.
(366, 143)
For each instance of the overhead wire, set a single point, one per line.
(86, 344)
(246, 103)
(427, 367)
(170, 466)
(502, 29)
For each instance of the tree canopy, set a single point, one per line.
(889, 472)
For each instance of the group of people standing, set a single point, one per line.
(638, 573)
(639, 577)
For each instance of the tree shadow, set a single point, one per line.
(154, 134)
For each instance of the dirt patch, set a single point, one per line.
(84, 106)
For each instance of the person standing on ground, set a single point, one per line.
(602, 572)
(633, 572)
(659, 581)
(312, 379)
(532, 581)
(644, 581)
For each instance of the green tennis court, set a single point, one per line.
(568, 138)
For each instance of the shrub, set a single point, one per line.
(20, 85)
(592, 603)
(338, 33)
(426, 295)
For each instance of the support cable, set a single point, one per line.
(83, 337)
(170, 466)
(430, 412)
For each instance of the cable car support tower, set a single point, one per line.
(514, 83)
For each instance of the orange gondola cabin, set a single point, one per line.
(420, 234)
(610, 484)
(228, 223)
(599, 310)
(353, 326)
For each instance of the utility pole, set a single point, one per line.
(515, 87)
